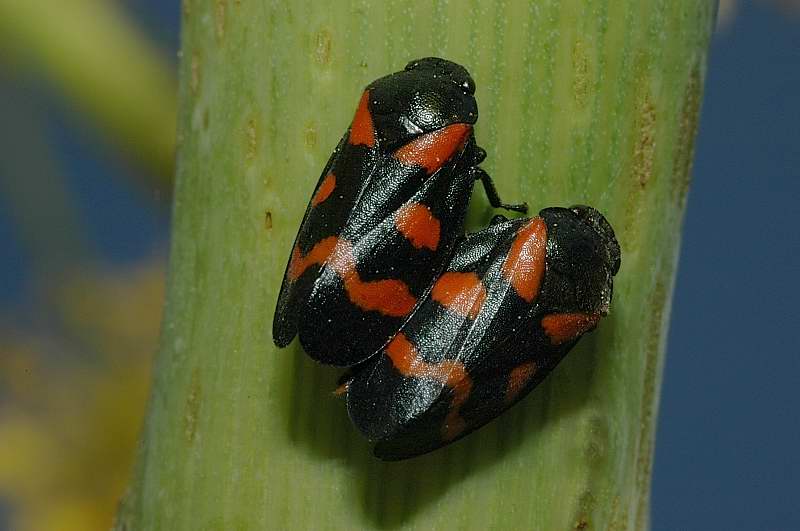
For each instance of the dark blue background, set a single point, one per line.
(728, 432)
(729, 429)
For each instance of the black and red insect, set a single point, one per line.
(385, 215)
(512, 301)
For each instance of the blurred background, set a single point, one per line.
(84, 228)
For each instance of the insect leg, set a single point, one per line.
(491, 193)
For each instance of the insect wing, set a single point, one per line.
(546, 281)
(416, 388)
(377, 231)
(322, 219)
(385, 215)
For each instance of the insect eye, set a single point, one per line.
(411, 127)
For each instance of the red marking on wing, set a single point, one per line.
(316, 256)
(462, 293)
(389, 297)
(525, 264)
(453, 374)
(565, 327)
(362, 131)
(433, 149)
(325, 189)
(519, 377)
(418, 225)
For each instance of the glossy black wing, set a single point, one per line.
(385, 214)
(419, 383)
(373, 241)
(322, 220)
(468, 355)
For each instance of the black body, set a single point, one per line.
(463, 359)
(363, 257)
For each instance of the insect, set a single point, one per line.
(512, 301)
(385, 215)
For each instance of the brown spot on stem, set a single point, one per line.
(219, 18)
(651, 379)
(194, 81)
(268, 220)
(644, 149)
(191, 408)
(310, 136)
(322, 47)
(687, 132)
(580, 67)
(252, 139)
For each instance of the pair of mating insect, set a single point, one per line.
(442, 331)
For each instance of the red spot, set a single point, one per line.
(462, 293)
(418, 225)
(433, 149)
(325, 189)
(565, 327)
(519, 377)
(389, 297)
(362, 131)
(524, 266)
(453, 374)
(403, 355)
(316, 256)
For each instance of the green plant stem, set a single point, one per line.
(581, 102)
(105, 67)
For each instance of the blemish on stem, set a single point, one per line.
(580, 66)
(645, 147)
(191, 408)
(194, 81)
(252, 139)
(644, 458)
(219, 18)
(268, 220)
(310, 136)
(596, 439)
(618, 519)
(642, 158)
(322, 47)
(687, 129)
(586, 505)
